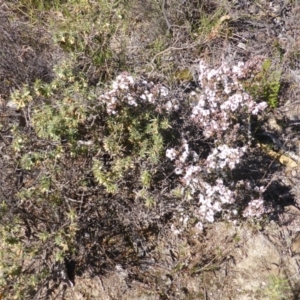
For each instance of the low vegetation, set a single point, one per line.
(121, 119)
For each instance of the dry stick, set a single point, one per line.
(163, 7)
(205, 293)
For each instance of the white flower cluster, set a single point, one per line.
(223, 156)
(125, 89)
(222, 95)
(181, 162)
(123, 83)
(212, 198)
(255, 208)
(171, 153)
(183, 220)
(190, 179)
(259, 107)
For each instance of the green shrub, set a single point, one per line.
(75, 146)
(277, 288)
(266, 84)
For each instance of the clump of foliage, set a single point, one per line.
(277, 288)
(79, 154)
(88, 39)
(266, 84)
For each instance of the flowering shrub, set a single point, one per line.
(125, 160)
(222, 110)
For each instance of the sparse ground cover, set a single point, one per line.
(149, 150)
